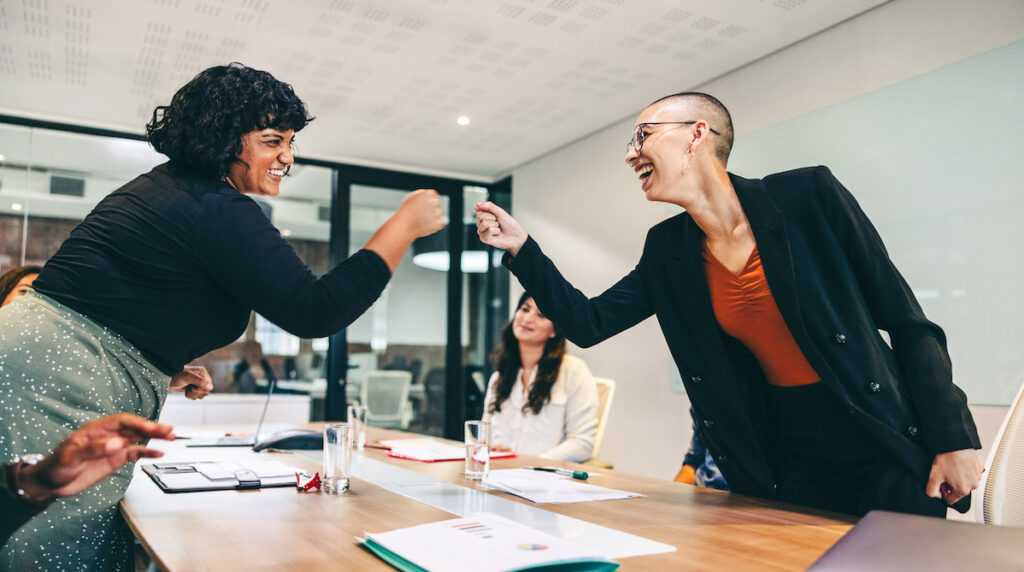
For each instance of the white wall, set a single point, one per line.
(586, 210)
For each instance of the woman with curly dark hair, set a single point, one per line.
(163, 270)
(16, 282)
(540, 401)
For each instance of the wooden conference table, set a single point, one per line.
(282, 529)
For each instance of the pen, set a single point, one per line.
(581, 475)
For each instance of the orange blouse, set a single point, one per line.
(746, 310)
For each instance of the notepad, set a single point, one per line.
(482, 543)
(542, 487)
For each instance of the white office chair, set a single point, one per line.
(605, 393)
(386, 397)
(1002, 500)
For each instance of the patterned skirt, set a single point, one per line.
(59, 370)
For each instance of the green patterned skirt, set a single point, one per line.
(59, 370)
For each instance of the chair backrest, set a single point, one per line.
(605, 393)
(1003, 490)
(385, 395)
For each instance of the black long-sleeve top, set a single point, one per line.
(174, 262)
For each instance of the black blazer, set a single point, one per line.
(835, 287)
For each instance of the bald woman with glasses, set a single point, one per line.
(771, 293)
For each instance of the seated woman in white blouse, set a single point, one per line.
(540, 401)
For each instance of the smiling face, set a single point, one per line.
(265, 159)
(666, 152)
(20, 289)
(529, 326)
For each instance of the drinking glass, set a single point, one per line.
(337, 457)
(478, 449)
(357, 418)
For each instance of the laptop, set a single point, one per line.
(236, 440)
(893, 541)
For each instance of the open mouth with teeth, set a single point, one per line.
(278, 172)
(645, 171)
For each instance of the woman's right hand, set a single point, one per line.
(420, 212)
(497, 228)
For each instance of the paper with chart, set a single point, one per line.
(482, 543)
(544, 487)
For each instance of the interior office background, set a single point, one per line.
(916, 106)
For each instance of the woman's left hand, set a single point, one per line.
(954, 475)
(194, 381)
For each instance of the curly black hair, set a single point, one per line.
(204, 124)
(508, 362)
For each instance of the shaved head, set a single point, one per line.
(702, 106)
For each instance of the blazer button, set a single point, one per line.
(874, 387)
(912, 431)
(696, 379)
(722, 459)
(709, 423)
(839, 338)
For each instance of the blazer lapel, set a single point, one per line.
(685, 270)
(767, 222)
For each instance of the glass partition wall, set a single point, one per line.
(435, 321)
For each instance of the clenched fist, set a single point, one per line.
(420, 212)
(497, 228)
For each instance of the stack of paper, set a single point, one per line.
(429, 450)
(483, 543)
(539, 486)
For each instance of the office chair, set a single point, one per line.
(434, 390)
(386, 397)
(476, 390)
(1002, 499)
(605, 393)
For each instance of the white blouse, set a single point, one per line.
(564, 429)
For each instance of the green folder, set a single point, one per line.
(406, 566)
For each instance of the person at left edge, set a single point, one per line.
(163, 270)
(81, 460)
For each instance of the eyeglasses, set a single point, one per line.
(637, 141)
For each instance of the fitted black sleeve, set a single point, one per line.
(585, 321)
(249, 258)
(918, 344)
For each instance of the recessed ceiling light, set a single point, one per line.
(15, 206)
(286, 232)
(462, 120)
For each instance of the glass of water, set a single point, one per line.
(478, 449)
(337, 457)
(357, 418)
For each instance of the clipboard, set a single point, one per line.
(190, 477)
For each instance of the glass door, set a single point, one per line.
(435, 321)
(405, 331)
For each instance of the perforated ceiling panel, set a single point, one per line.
(387, 79)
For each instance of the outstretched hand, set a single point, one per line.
(954, 475)
(194, 381)
(91, 453)
(497, 228)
